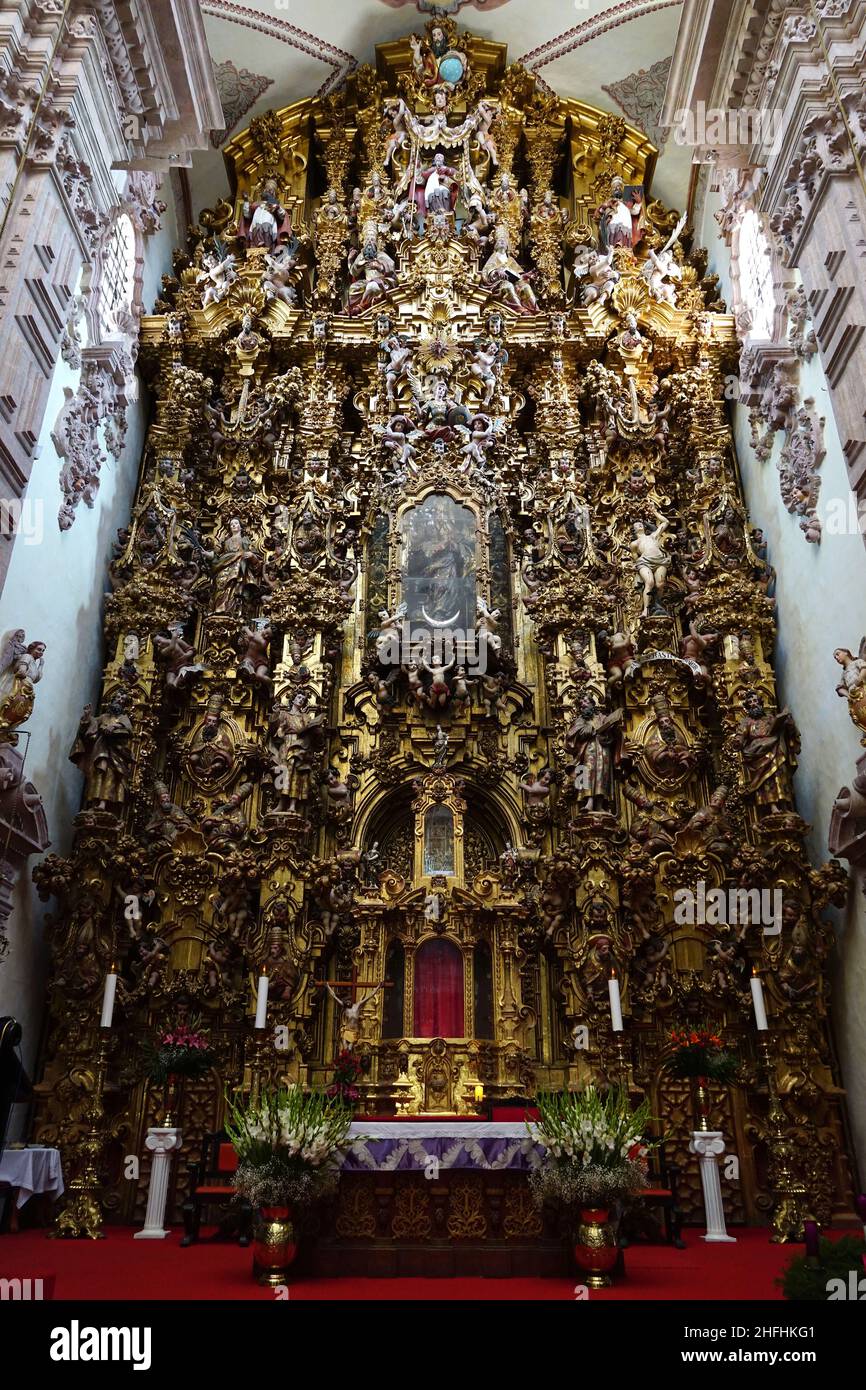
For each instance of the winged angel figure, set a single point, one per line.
(660, 269)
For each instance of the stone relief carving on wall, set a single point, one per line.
(239, 91)
(770, 370)
(641, 96)
(107, 383)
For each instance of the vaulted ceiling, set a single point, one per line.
(611, 53)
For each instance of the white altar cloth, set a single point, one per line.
(32, 1171)
(433, 1129)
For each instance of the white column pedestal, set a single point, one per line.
(162, 1144)
(709, 1145)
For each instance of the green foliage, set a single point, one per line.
(807, 1283)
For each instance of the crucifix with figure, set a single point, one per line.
(351, 1021)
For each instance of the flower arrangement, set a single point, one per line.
(181, 1051)
(700, 1053)
(595, 1145)
(289, 1143)
(347, 1070)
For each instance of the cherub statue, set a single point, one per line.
(334, 894)
(396, 112)
(388, 635)
(400, 436)
(253, 650)
(536, 789)
(460, 690)
(492, 690)
(152, 963)
(217, 277)
(595, 274)
(660, 269)
(693, 647)
(553, 903)
(486, 358)
(486, 625)
(620, 655)
(479, 436)
(338, 797)
(438, 692)
(651, 963)
(177, 656)
(281, 274)
(486, 112)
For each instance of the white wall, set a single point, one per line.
(821, 602)
(55, 591)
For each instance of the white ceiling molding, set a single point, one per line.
(594, 28)
(340, 62)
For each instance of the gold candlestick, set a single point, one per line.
(82, 1216)
(790, 1200)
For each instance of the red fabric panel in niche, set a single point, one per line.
(439, 990)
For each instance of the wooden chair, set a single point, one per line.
(210, 1184)
(662, 1191)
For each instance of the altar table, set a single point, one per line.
(32, 1171)
(29, 1173)
(404, 1145)
(436, 1198)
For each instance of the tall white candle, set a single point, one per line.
(615, 1004)
(758, 1003)
(262, 1002)
(108, 1000)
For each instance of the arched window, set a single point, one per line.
(117, 276)
(756, 275)
(438, 990)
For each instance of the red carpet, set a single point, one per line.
(121, 1268)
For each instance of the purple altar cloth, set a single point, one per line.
(401, 1147)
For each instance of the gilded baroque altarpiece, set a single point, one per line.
(440, 652)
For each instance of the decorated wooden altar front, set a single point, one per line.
(439, 665)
